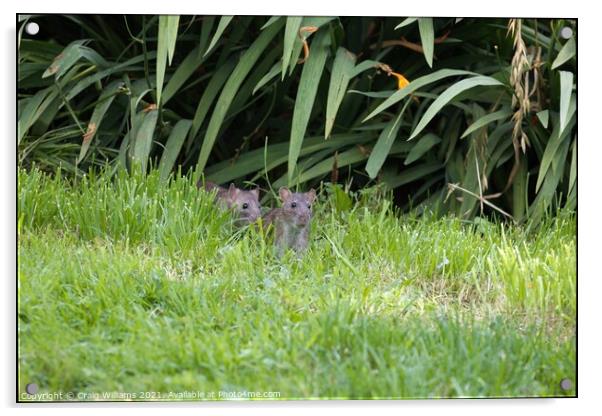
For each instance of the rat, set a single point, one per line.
(292, 221)
(245, 204)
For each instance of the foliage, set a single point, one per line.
(487, 121)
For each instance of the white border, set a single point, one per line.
(590, 210)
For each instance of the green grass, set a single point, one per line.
(132, 285)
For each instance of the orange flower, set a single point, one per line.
(401, 80)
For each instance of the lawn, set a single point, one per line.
(138, 287)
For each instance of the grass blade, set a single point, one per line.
(306, 94)
(172, 147)
(221, 26)
(427, 35)
(486, 119)
(343, 65)
(448, 95)
(244, 66)
(422, 146)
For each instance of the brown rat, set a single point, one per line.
(245, 204)
(292, 221)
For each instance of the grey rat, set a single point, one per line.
(245, 204)
(292, 221)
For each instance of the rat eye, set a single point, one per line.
(245, 206)
(309, 206)
(293, 205)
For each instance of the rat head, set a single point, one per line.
(244, 203)
(297, 205)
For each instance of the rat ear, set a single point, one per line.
(255, 193)
(232, 191)
(311, 195)
(284, 193)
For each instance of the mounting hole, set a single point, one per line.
(566, 384)
(32, 28)
(566, 32)
(31, 388)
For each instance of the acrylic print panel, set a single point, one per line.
(287, 208)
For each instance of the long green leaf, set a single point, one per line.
(173, 147)
(427, 36)
(221, 26)
(182, 73)
(383, 144)
(244, 66)
(415, 85)
(172, 36)
(105, 100)
(345, 158)
(546, 194)
(306, 94)
(412, 174)
(291, 32)
(448, 95)
(32, 112)
(277, 155)
(567, 52)
(65, 60)
(486, 119)
(270, 21)
(206, 27)
(363, 66)
(166, 41)
(343, 65)
(557, 137)
(141, 148)
(311, 21)
(124, 67)
(566, 88)
(407, 21)
(422, 146)
(215, 84)
(543, 117)
(268, 77)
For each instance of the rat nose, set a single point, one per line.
(304, 219)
